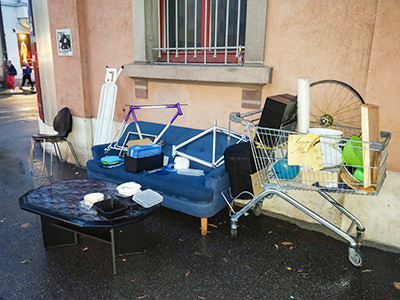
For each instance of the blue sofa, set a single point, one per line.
(198, 196)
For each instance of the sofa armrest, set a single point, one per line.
(214, 177)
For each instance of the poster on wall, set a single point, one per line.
(64, 42)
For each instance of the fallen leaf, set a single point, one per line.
(212, 225)
(187, 273)
(225, 260)
(26, 261)
(366, 271)
(133, 280)
(142, 297)
(85, 249)
(276, 246)
(269, 232)
(299, 271)
(181, 240)
(196, 253)
(289, 268)
(287, 243)
(26, 225)
(200, 297)
(124, 259)
(396, 285)
(290, 248)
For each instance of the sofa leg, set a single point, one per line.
(203, 226)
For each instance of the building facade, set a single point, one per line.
(218, 63)
(16, 40)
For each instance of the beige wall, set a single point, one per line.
(383, 86)
(101, 36)
(67, 69)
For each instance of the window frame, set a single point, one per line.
(252, 73)
(204, 13)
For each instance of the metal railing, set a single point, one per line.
(175, 45)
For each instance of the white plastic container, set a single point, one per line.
(91, 198)
(331, 157)
(147, 198)
(128, 189)
(329, 136)
(181, 163)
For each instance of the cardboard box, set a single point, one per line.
(257, 189)
(327, 178)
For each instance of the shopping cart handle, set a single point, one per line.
(235, 117)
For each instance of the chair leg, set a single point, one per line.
(59, 152)
(56, 151)
(203, 226)
(31, 154)
(73, 153)
(44, 154)
(51, 163)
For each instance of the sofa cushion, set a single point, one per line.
(192, 187)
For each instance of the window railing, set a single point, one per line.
(200, 31)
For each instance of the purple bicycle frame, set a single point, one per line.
(132, 109)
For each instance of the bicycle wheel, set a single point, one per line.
(335, 103)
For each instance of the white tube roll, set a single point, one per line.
(303, 104)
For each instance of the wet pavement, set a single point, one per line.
(271, 259)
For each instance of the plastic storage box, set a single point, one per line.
(137, 165)
(140, 151)
(148, 198)
(110, 208)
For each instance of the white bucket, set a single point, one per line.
(181, 163)
(329, 136)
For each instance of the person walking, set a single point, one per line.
(11, 75)
(26, 72)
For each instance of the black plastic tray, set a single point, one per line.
(110, 208)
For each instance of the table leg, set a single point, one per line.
(54, 236)
(127, 240)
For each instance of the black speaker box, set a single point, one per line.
(277, 110)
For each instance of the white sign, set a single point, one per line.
(64, 42)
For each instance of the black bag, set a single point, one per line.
(12, 71)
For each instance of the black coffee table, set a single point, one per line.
(63, 218)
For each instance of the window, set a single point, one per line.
(149, 42)
(201, 31)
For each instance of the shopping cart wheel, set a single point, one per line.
(355, 257)
(257, 209)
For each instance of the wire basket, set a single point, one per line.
(291, 160)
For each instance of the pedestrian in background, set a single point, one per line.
(11, 75)
(26, 72)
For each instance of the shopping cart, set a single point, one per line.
(335, 166)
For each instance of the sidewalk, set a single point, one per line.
(271, 259)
